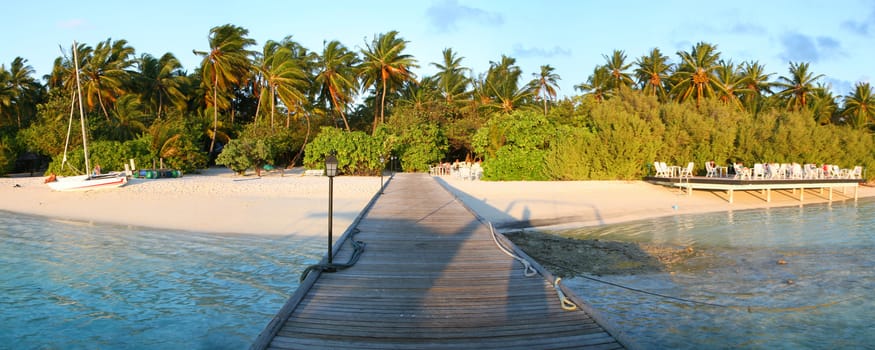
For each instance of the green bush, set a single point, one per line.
(357, 153)
(244, 153)
(514, 146)
(417, 142)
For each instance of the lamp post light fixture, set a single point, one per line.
(382, 166)
(331, 172)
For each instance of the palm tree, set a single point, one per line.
(386, 67)
(757, 83)
(617, 66)
(336, 77)
(421, 96)
(730, 83)
(129, 120)
(452, 83)
(798, 87)
(105, 73)
(25, 89)
(545, 84)
(653, 73)
(502, 85)
(161, 81)
(598, 84)
(224, 65)
(695, 73)
(859, 108)
(280, 75)
(823, 105)
(7, 95)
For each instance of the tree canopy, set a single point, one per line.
(287, 93)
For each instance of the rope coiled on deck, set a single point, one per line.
(358, 247)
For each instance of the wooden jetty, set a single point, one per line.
(431, 277)
(765, 186)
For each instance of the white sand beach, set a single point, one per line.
(218, 201)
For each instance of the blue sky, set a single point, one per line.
(836, 37)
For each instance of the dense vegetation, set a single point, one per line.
(282, 105)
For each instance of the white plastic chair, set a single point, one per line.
(759, 171)
(661, 169)
(688, 171)
(857, 173)
(710, 171)
(741, 172)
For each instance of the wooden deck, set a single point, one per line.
(431, 277)
(765, 186)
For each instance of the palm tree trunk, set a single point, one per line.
(215, 110)
(545, 106)
(272, 104)
(306, 139)
(339, 110)
(100, 102)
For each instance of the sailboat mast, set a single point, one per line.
(81, 110)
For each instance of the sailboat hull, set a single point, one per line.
(84, 183)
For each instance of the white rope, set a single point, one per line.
(529, 270)
(567, 304)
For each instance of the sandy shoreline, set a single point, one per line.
(218, 201)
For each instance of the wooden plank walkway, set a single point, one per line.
(431, 277)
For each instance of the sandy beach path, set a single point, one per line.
(216, 201)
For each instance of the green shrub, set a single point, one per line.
(514, 146)
(244, 153)
(357, 153)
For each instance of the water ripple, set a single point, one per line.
(76, 285)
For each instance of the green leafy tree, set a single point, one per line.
(452, 83)
(545, 85)
(502, 88)
(694, 76)
(730, 84)
(652, 73)
(824, 106)
(386, 67)
(859, 108)
(226, 64)
(356, 152)
(617, 66)
(597, 85)
(514, 146)
(280, 75)
(797, 89)
(336, 78)
(105, 74)
(161, 82)
(244, 153)
(757, 83)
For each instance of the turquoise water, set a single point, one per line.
(70, 285)
(822, 298)
(81, 286)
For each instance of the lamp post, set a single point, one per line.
(392, 164)
(382, 166)
(331, 172)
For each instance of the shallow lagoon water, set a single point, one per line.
(781, 278)
(68, 285)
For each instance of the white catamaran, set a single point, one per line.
(89, 181)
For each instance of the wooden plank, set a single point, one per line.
(431, 277)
